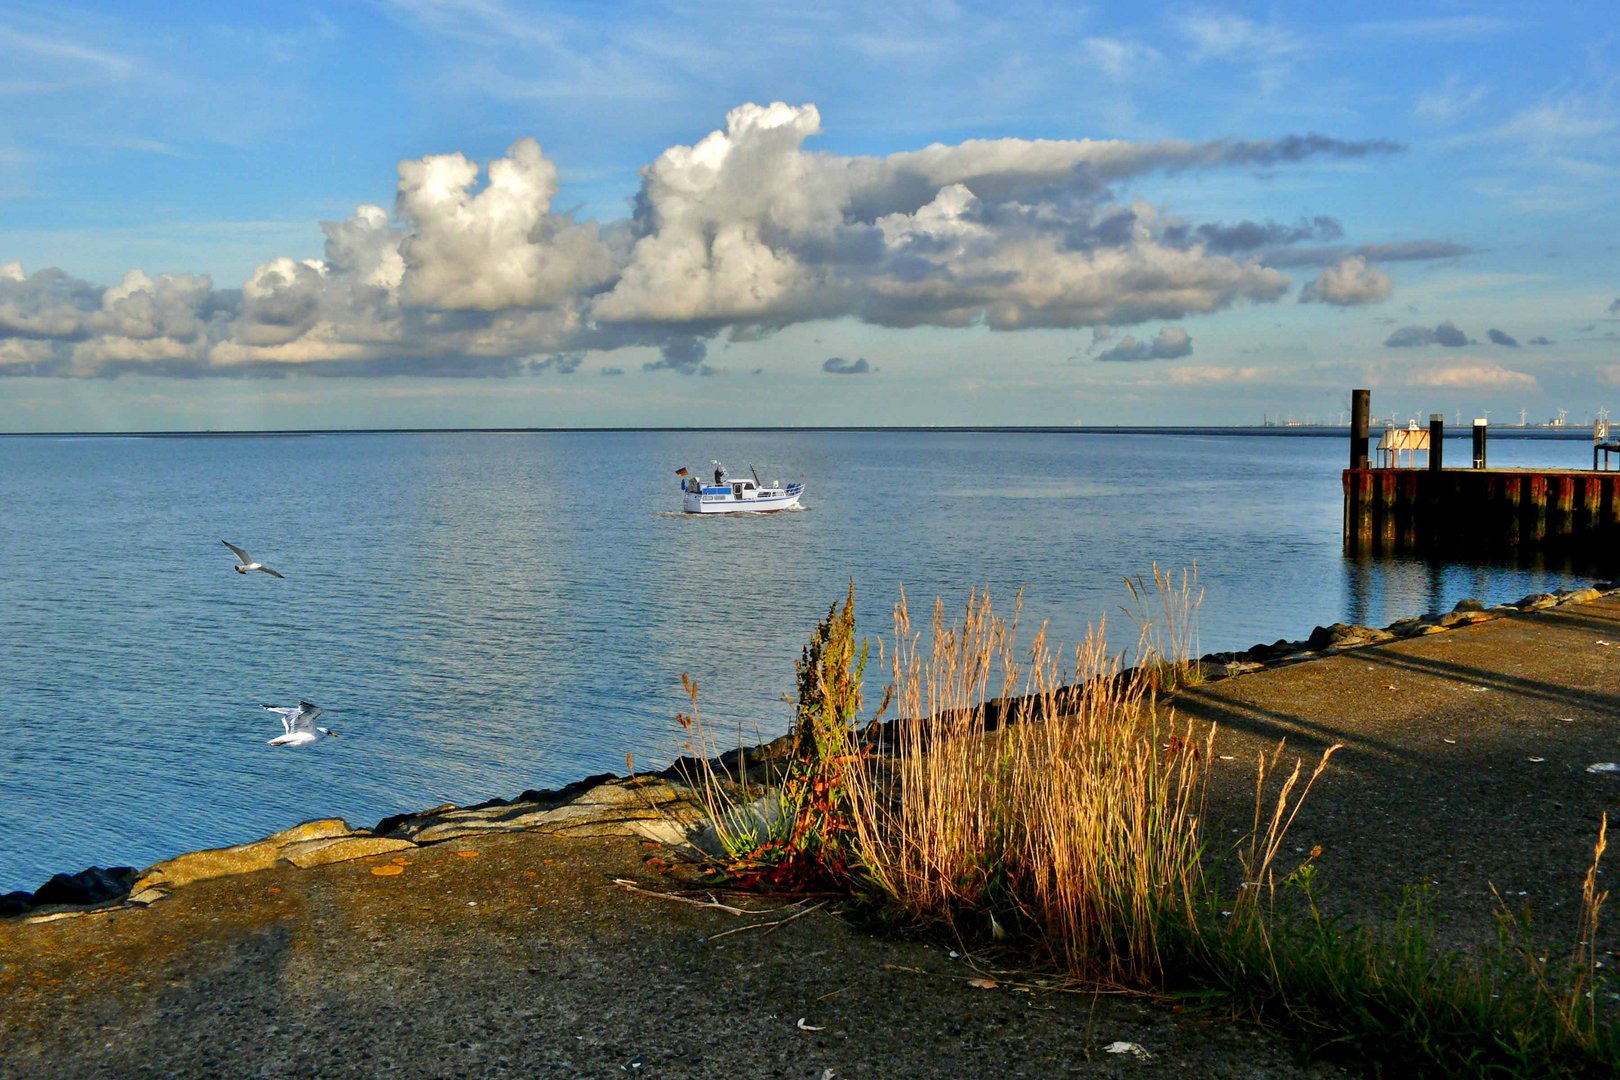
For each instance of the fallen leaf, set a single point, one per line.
(274, 890)
(1604, 767)
(808, 1027)
(468, 854)
(400, 860)
(984, 984)
(387, 870)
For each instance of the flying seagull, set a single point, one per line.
(245, 561)
(298, 725)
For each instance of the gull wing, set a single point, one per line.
(273, 573)
(240, 554)
(286, 716)
(304, 718)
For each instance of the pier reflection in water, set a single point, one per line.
(1380, 589)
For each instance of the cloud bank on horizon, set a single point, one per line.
(744, 232)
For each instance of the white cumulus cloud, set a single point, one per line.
(744, 231)
(1478, 375)
(1348, 283)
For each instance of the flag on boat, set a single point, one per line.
(682, 472)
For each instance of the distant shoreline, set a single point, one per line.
(1569, 433)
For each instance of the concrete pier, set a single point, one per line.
(1484, 513)
(1568, 515)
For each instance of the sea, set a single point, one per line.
(481, 613)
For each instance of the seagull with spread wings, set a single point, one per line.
(245, 561)
(298, 725)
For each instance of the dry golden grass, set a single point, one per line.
(1074, 820)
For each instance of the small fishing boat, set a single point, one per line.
(727, 496)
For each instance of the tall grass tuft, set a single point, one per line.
(1166, 617)
(1075, 825)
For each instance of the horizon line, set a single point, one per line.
(1316, 430)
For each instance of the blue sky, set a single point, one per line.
(482, 213)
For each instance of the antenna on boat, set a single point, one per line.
(757, 481)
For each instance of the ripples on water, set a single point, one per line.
(485, 613)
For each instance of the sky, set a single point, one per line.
(485, 213)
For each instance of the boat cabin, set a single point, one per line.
(737, 490)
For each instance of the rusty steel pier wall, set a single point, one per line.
(1482, 513)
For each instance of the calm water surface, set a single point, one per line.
(485, 613)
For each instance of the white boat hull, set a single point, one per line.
(724, 500)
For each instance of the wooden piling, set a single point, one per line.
(1360, 409)
(1511, 490)
(1409, 511)
(1561, 506)
(1534, 506)
(1384, 492)
(1589, 520)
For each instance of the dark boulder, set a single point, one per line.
(16, 903)
(90, 886)
(1278, 648)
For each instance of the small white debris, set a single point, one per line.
(53, 916)
(1566, 719)
(1477, 689)
(1121, 1047)
(808, 1027)
(955, 955)
(1453, 742)
(1228, 757)
(1604, 767)
(1537, 760)
(827, 1074)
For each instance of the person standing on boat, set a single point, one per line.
(719, 474)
